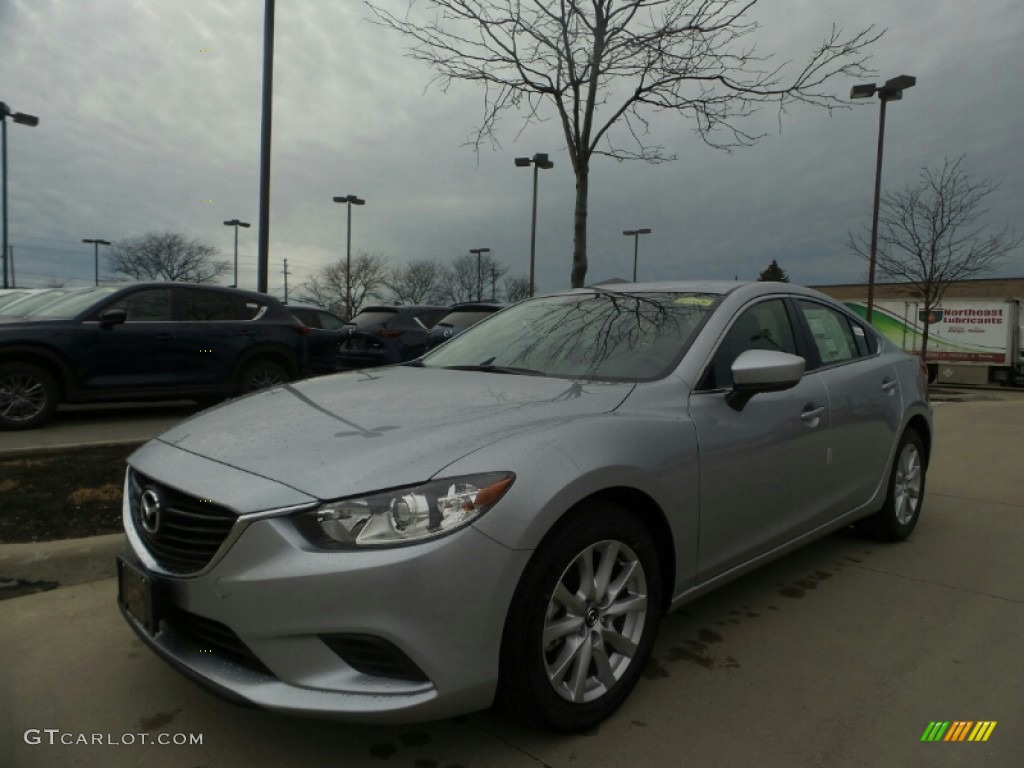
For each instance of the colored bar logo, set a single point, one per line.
(959, 730)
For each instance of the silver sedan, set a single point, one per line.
(510, 516)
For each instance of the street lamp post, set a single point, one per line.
(479, 273)
(891, 91)
(236, 224)
(349, 201)
(22, 119)
(96, 257)
(635, 234)
(538, 161)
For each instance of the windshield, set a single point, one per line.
(73, 303)
(605, 336)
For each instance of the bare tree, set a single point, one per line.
(328, 287)
(516, 289)
(467, 279)
(417, 282)
(605, 62)
(165, 256)
(932, 235)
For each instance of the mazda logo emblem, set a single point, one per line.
(151, 505)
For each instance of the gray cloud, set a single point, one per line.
(148, 109)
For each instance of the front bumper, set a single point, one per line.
(279, 602)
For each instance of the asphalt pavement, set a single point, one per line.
(840, 654)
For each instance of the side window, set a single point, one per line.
(833, 336)
(205, 306)
(763, 326)
(146, 305)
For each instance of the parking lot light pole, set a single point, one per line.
(538, 161)
(96, 257)
(891, 91)
(479, 272)
(22, 119)
(635, 234)
(236, 224)
(349, 201)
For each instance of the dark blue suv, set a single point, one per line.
(146, 341)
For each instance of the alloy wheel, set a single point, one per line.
(22, 397)
(594, 621)
(907, 484)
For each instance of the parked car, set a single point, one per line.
(459, 318)
(385, 335)
(323, 339)
(147, 341)
(512, 514)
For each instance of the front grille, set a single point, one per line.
(184, 532)
(209, 636)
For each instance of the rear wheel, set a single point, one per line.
(261, 374)
(583, 620)
(28, 396)
(898, 516)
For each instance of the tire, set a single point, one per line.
(261, 374)
(598, 638)
(28, 396)
(896, 519)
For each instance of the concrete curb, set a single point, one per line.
(52, 564)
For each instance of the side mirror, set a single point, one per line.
(763, 370)
(113, 317)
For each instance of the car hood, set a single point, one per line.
(367, 430)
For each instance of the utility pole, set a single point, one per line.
(286, 281)
(10, 260)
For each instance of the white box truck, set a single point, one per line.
(970, 341)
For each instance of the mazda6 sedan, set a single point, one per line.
(509, 517)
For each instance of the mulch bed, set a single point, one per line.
(61, 494)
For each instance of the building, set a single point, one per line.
(986, 288)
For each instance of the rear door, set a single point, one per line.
(865, 401)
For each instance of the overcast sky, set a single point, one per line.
(150, 121)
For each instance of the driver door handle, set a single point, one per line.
(812, 412)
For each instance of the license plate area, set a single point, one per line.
(137, 595)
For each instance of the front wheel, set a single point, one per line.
(28, 396)
(898, 516)
(583, 620)
(261, 374)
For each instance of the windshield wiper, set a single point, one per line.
(490, 368)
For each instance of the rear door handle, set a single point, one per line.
(889, 385)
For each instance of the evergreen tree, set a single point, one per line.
(774, 273)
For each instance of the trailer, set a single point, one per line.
(970, 341)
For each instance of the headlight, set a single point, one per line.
(404, 514)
